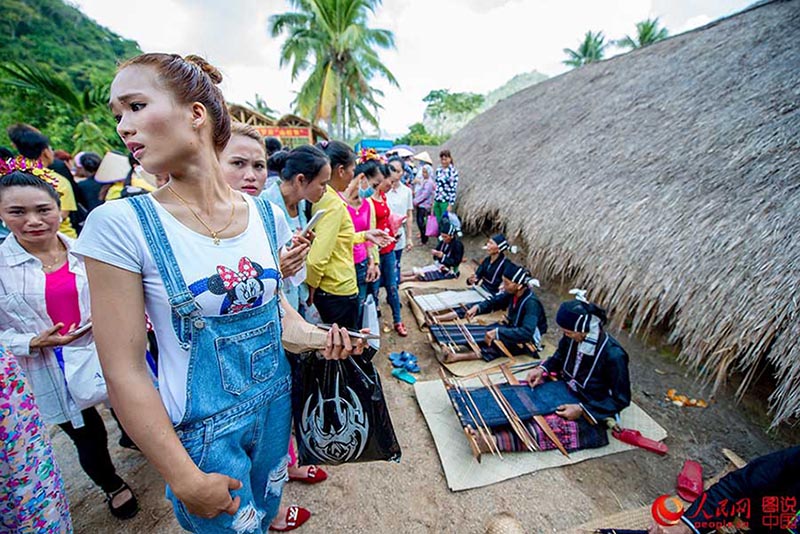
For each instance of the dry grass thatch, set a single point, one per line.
(667, 182)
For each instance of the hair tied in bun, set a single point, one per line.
(206, 67)
(277, 161)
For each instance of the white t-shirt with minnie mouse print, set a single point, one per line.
(225, 278)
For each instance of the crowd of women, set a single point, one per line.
(170, 304)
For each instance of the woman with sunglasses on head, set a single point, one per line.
(202, 260)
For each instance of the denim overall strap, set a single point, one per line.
(268, 220)
(184, 307)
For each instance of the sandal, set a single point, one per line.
(400, 328)
(295, 517)
(315, 475)
(126, 510)
(405, 376)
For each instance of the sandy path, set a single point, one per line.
(413, 497)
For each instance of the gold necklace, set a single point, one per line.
(214, 233)
(56, 261)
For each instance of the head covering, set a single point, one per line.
(77, 160)
(425, 157)
(501, 242)
(580, 315)
(448, 228)
(519, 275)
(114, 168)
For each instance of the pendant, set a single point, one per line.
(215, 239)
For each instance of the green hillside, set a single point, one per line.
(446, 124)
(56, 35)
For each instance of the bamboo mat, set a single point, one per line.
(463, 471)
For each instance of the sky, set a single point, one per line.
(460, 45)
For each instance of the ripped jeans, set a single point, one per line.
(250, 439)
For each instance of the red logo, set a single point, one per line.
(667, 511)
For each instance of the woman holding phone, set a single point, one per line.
(44, 302)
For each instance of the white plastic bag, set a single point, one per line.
(370, 320)
(84, 376)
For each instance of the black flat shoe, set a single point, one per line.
(126, 510)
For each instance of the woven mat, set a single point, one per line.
(463, 472)
(466, 270)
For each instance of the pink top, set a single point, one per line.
(361, 219)
(61, 297)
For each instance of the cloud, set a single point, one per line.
(461, 45)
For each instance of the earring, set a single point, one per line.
(194, 126)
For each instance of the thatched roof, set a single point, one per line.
(667, 182)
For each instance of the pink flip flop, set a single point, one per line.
(690, 481)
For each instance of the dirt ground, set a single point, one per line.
(412, 496)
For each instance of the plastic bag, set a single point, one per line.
(432, 226)
(340, 414)
(82, 372)
(370, 320)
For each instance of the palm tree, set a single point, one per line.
(592, 49)
(85, 104)
(647, 32)
(331, 41)
(261, 106)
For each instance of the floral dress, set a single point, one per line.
(32, 496)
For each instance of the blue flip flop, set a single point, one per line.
(402, 374)
(398, 359)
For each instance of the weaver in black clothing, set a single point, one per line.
(490, 271)
(448, 255)
(593, 364)
(764, 494)
(525, 320)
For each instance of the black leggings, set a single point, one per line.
(422, 223)
(91, 440)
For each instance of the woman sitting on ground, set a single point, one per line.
(593, 364)
(525, 320)
(447, 255)
(490, 271)
(584, 383)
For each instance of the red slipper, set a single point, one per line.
(690, 481)
(295, 517)
(315, 475)
(401, 329)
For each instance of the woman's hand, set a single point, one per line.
(373, 272)
(437, 254)
(490, 336)
(51, 338)
(471, 313)
(472, 280)
(339, 346)
(308, 237)
(293, 259)
(535, 377)
(379, 237)
(570, 412)
(209, 494)
(409, 243)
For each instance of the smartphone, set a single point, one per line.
(81, 329)
(313, 222)
(358, 335)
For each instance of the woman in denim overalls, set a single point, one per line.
(224, 455)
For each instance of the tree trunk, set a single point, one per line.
(340, 111)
